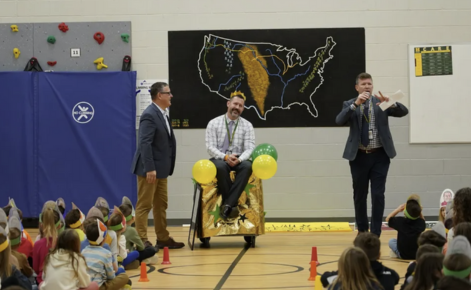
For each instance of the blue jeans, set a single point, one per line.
(393, 247)
(132, 256)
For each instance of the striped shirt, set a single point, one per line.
(100, 266)
(242, 145)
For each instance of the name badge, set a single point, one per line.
(370, 134)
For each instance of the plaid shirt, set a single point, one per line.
(375, 142)
(242, 145)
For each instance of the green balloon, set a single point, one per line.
(265, 149)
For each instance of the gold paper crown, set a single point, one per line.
(238, 93)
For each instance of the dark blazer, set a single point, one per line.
(156, 149)
(350, 117)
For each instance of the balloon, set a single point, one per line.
(204, 171)
(264, 166)
(265, 149)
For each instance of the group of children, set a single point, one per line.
(442, 255)
(72, 251)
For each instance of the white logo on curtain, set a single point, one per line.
(83, 112)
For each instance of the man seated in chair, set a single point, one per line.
(230, 140)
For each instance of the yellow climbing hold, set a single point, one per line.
(16, 52)
(99, 63)
(14, 28)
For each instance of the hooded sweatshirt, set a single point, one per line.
(59, 273)
(387, 277)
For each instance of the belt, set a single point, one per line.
(372, 150)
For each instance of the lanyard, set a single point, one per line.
(370, 110)
(233, 131)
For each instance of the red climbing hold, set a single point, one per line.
(63, 27)
(99, 37)
(52, 63)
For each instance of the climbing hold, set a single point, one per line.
(99, 37)
(14, 28)
(16, 52)
(51, 39)
(126, 63)
(52, 63)
(63, 27)
(99, 63)
(33, 65)
(125, 37)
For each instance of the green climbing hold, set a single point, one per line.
(125, 37)
(51, 39)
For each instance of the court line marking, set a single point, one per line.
(297, 269)
(232, 267)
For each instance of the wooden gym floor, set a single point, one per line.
(278, 261)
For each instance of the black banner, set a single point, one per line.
(290, 77)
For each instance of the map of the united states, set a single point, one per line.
(271, 76)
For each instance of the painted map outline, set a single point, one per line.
(291, 57)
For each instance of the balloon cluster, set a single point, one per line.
(264, 165)
(265, 159)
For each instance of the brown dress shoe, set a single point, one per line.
(149, 244)
(170, 243)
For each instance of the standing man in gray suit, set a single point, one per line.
(369, 149)
(153, 162)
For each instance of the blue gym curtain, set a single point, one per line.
(78, 142)
(16, 140)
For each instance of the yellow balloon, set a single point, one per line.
(204, 171)
(264, 166)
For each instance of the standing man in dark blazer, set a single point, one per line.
(369, 149)
(153, 162)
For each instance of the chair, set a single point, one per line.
(249, 223)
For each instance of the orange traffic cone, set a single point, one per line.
(314, 256)
(312, 276)
(143, 277)
(166, 257)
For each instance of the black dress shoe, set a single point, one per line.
(226, 211)
(234, 213)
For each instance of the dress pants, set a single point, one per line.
(231, 191)
(369, 167)
(152, 196)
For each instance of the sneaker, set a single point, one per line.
(392, 254)
(152, 260)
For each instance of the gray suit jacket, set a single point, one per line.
(350, 117)
(156, 150)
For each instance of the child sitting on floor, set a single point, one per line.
(133, 241)
(371, 245)
(74, 220)
(408, 229)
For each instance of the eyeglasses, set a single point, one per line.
(166, 93)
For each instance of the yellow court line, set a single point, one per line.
(308, 227)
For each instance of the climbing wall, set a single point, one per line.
(9, 40)
(51, 44)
